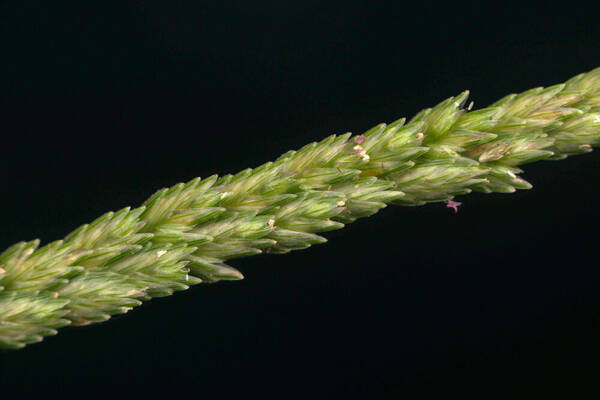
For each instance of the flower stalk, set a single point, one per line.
(183, 235)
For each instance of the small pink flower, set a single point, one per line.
(359, 139)
(453, 204)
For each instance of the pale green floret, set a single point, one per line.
(183, 235)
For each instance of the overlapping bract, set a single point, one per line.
(184, 234)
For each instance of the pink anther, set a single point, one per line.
(453, 204)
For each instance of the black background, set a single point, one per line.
(101, 105)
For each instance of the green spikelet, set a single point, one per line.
(183, 235)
